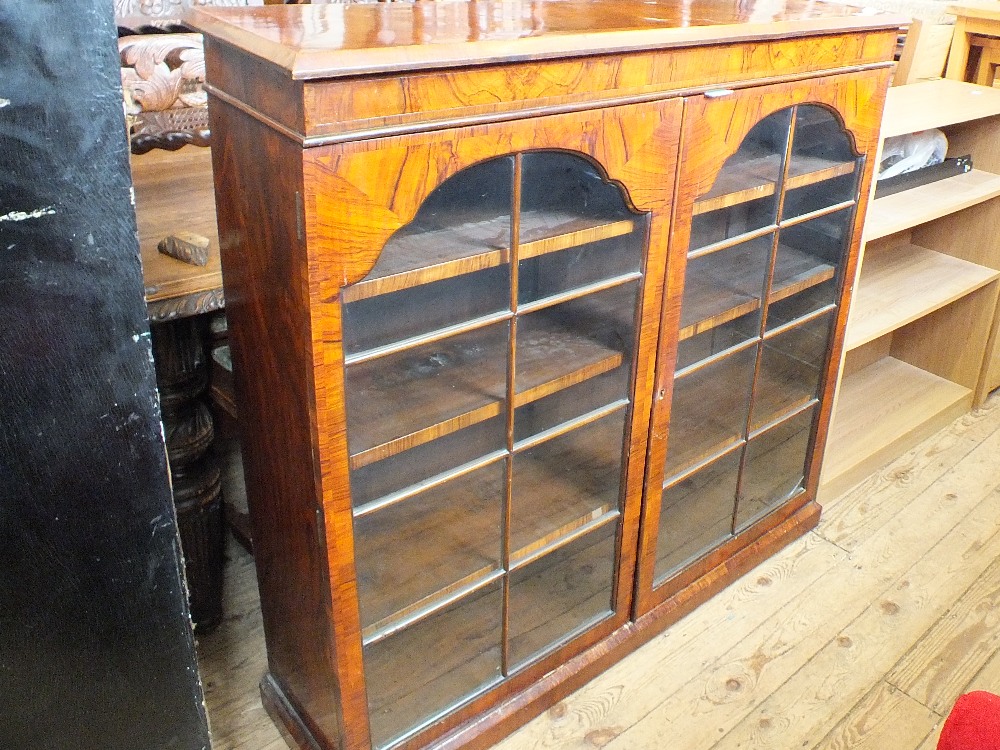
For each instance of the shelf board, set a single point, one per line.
(882, 411)
(906, 209)
(547, 232)
(808, 170)
(412, 259)
(756, 178)
(903, 283)
(468, 390)
(733, 289)
(935, 104)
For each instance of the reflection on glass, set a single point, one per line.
(566, 482)
(709, 410)
(819, 195)
(724, 285)
(445, 426)
(552, 273)
(423, 547)
(397, 402)
(433, 665)
(809, 254)
(718, 339)
(397, 316)
(820, 141)
(464, 225)
(790, 369)
(427, 461)
(558, 189)
(561, 594)
(570, 403)
(775, 467)
(574, 341)
(744, 197)
(696, 514)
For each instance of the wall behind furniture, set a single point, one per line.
(96, 648)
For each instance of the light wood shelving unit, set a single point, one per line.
(921, 340)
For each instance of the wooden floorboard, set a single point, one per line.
(859, 635)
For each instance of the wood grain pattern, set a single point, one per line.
(727, 120)
(307, 649)
(303, 226)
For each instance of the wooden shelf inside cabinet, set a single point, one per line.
(568, 510)
(733, 289)
(781, 389)
(421, 258)
(903, 283)
(909, 208)
(549, 360)
(882, 408)
(754, 178)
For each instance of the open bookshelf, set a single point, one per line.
(921, 339)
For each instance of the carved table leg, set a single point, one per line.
(182, 379)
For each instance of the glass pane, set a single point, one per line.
(562, 193)
(816, 196)
(820, 141)
(406, 399)
(696, 514)
(572, 342)
(775, 467)
(463, 226)
(428, 544)
(823, 168)
(799, 305)
(725, 285)
(809, 255)
(388, 318)
(708, 411)
(426, 461)
(561, 594)
(566, 482)
(434, 665)
(718, 339)
(569, 403)
(553, 273)
(790, 369)
(745, 194)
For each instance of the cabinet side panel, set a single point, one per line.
(257, 174)
(864, 119)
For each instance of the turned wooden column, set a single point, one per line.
(182, 378)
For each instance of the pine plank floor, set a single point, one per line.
(859, 635)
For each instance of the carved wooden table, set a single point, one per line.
(173, 192)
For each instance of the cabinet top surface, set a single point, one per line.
(335, 40)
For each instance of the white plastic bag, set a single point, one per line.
(905, 153)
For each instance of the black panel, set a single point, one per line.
(96, 649)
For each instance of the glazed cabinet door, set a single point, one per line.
(767, 219)
(496, 380)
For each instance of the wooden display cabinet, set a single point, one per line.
(527, 301)
(921, 343)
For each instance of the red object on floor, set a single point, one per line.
(973, 724)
